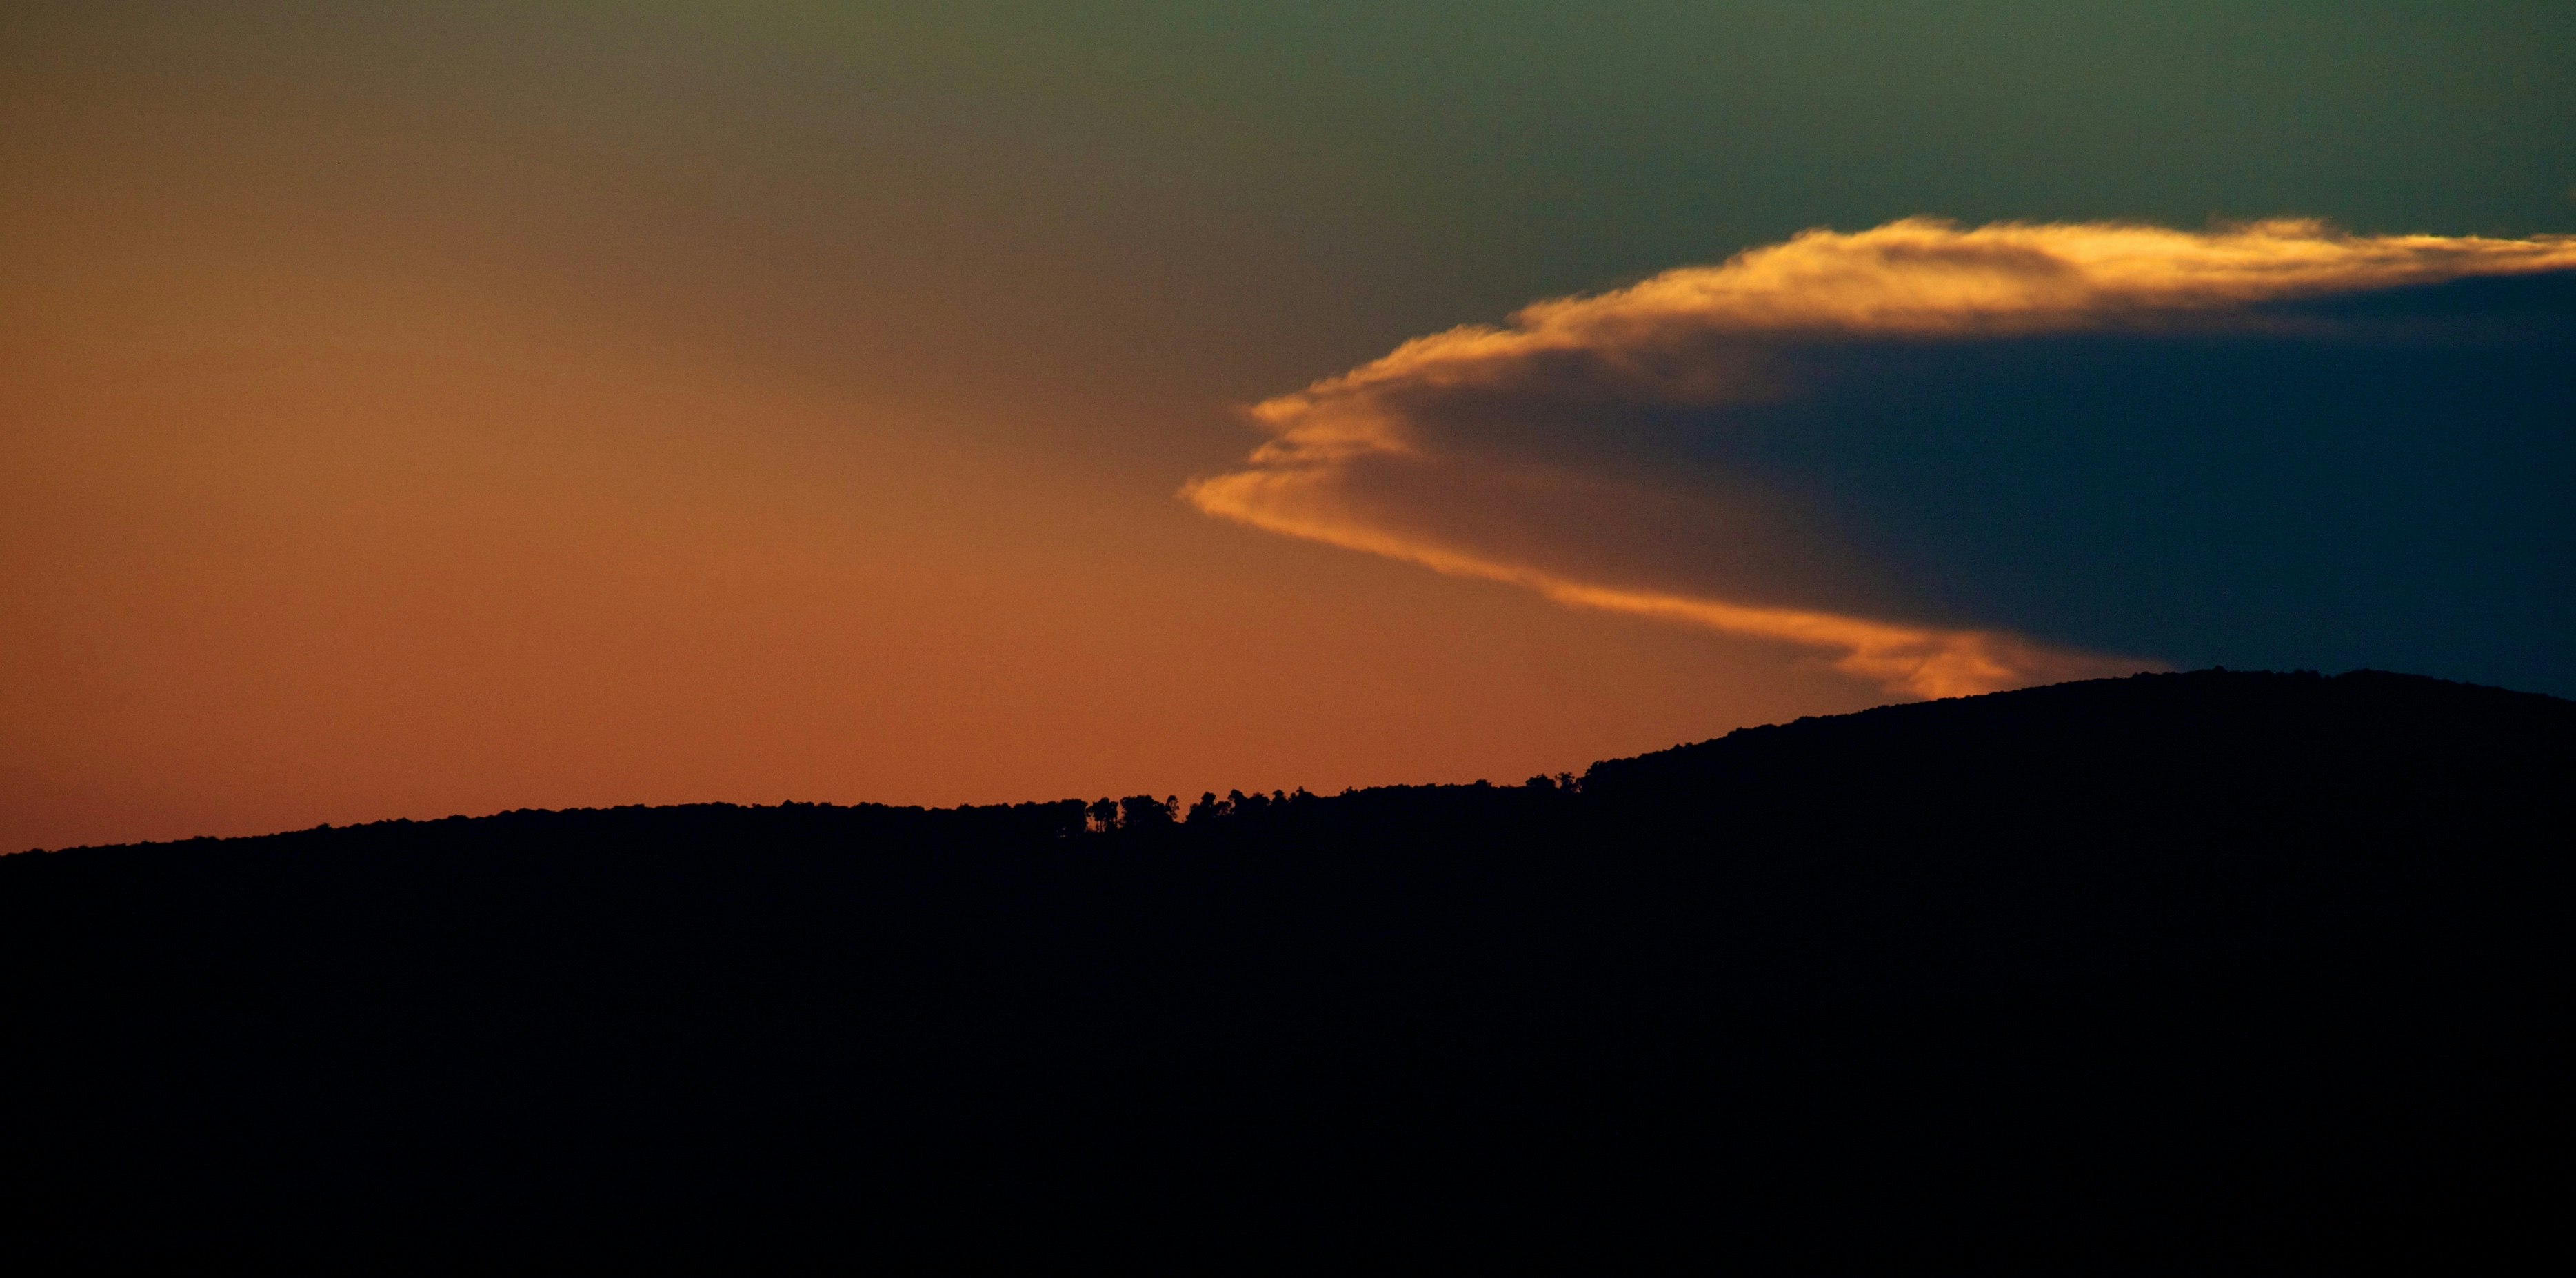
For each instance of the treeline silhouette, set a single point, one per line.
(2213, 966)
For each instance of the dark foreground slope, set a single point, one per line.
(2185, 966)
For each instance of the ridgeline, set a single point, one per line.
(2168, 969)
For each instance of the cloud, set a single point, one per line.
(1584, 450)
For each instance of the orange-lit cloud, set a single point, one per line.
(1503, 452)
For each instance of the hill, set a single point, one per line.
(2169, 968)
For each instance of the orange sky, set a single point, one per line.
(257, 589)
(342, 504)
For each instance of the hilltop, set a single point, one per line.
(2139, 970)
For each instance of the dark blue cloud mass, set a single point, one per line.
(2389, 481)
(1954, 460)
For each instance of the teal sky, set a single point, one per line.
(1411, 166)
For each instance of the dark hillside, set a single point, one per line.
(2172, 968)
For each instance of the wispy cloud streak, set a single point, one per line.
(1409, 457)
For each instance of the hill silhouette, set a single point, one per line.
(2170, 968)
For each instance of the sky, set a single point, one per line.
(410, 409)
